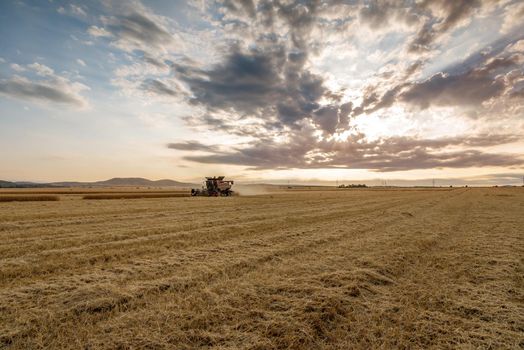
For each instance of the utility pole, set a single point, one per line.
(433, 182)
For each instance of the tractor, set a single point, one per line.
(213, 187)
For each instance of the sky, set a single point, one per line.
(259, 90)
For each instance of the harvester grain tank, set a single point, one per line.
(213, 187)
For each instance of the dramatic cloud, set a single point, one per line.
(470, 88)
(267, 80)
(482, 77)
(378, 85)
(272, 84)
(383, 155)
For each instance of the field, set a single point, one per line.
(297, 269)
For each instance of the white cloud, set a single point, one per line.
(77, 10)
(17, 67)
(81, 62)
(98, 32)
(41, 69)
(512, 17)
(73, 10)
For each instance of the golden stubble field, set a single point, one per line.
(348, 269)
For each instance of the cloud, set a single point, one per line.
(382, 155)
(41, 69)
(80, 62)
(269, 83)
(482, 77)
(17, 67)
(159, 88)
(379, 14)
(135, 27)
(77, 10)
(445, 15)
(471, 87)
(98, 32)
(512, 17)
(72, 9)
(263, 80)
(53, 90)
(191, 146)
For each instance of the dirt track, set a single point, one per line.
(321, 269)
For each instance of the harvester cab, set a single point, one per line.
(213, 187)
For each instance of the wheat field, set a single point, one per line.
(346, 269)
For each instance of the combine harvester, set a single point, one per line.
(213, 187)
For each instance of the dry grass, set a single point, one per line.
(24, 198)
(95, 190)
(135, 195)
(318, 270)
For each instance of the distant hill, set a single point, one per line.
(7, 184)
(138, 181)
(114, 182)
(22, 184)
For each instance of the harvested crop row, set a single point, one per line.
(134, 195)
(323, 270)
(17, 198)
(86, 191)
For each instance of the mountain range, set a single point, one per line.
(114, 182)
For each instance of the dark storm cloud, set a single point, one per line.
(245, 82)
(266, 83)
(383, 155)
(55, 91)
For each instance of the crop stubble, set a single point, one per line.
(320, 269)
